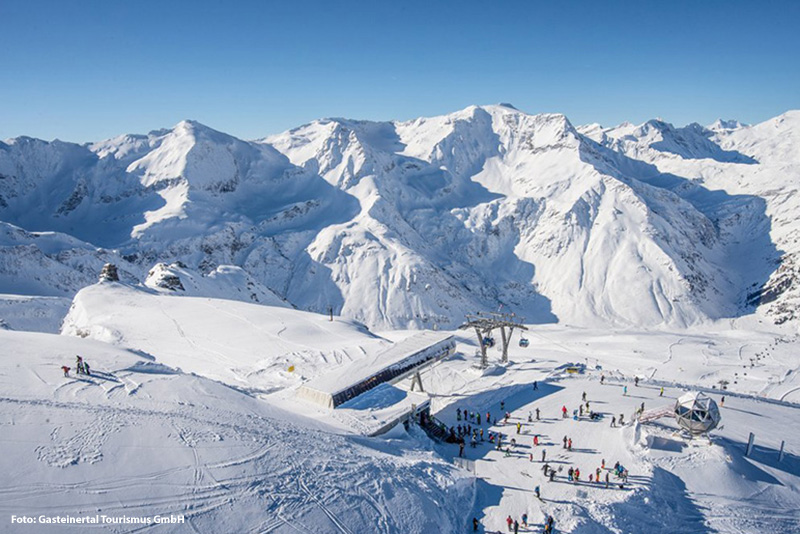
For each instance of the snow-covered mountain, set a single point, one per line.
(414, 224)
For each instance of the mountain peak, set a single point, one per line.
(193, 127)
(725, 125)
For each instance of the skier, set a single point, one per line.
(78, 364)
(475, 524)
(502, 409)
(602, 379)
(661, 393)
(624, 390)
(641, 410)
(461, 448)
(86, 368)
(537, 414)
(535, 386)
(565, 442)
(510, 522)
(488, 418)
(525, 520)
(613, 422)
(519, 426)
(606, 479)
(621, 422)
(530, 417)
(538, 494)
(570, 474)
(458, 414)
(580, 410)
(597, 475)
(577, 474)
(66, 370)
(478, 416)
(603, 464)
(544, 453)
(481, 434)
(636, 381)
(583, 397)
(569, 444)
(516, 527)
(564, 412)
(722, 401)
(552, 474)
(536, 440)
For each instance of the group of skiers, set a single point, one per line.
(599, 476)
(462, 432)
(513, 524)
(81, 367)
(473, 417)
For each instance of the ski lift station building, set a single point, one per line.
(390, 366)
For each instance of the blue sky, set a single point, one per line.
(88, 70)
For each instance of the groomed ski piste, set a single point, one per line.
(191, 414)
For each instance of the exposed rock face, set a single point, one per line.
(109, 273)
(160, 276)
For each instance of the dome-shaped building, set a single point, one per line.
(697, 412)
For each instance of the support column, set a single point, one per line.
(417, 380)
(505, 343)
(484, 362)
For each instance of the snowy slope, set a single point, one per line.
(226, 282)
(675, 484)
(52, 264)
(522, 210)
(747, 186)
(139, 439)
(190, 411)
(246, 345)
(33, 314)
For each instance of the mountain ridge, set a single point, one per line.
(415, 223)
